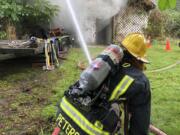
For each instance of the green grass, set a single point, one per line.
(165, 86)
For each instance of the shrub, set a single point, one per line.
(19, 13)
(172, 26)
(156, 24)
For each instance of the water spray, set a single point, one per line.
(81, 38)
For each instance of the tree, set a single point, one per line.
(19, 12)
(10, 11)
(36, 16)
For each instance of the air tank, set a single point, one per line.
(93, 76)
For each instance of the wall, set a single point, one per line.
(129, 20)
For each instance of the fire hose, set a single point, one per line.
(155, 130)
(165, 68)
(56, 131)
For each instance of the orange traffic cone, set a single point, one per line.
(168, 46)
(149, 45)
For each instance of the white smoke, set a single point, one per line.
(87, 12)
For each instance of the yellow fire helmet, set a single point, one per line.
(136, 45)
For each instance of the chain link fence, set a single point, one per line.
(133, 18)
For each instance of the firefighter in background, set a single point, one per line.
(91, 105)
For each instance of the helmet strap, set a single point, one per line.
(133, 61)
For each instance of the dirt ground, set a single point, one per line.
(24, 91)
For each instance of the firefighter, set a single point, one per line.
(138, 94)
(131, 84)
(91, 105)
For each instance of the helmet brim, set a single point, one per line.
(143, 59)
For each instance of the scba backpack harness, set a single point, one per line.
(89, 107)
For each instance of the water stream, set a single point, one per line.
(80, 35)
